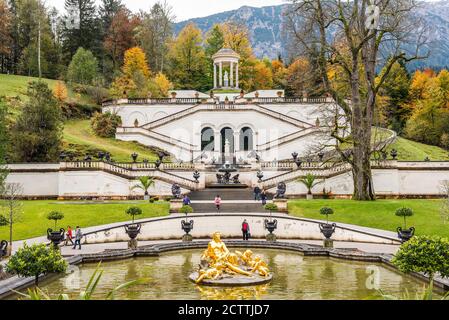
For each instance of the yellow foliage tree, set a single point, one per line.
(297, 76)
(60, 92)
(135, 61)
(279, 74)
(263, 76)
(161, 86)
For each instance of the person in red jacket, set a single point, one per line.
(245, 230)
(69, 236)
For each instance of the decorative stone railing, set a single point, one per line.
(135, 170)
(238, 100)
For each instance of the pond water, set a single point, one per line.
(295, 277)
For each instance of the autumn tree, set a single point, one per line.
(297, 77)
(187, 60)
(366, 29)
(120, 36)
(263, 75)
(60, 92)
(134, 81)
(279, 74)
(161, 86)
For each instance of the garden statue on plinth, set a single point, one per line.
(3, 248)
(176, 191)
(220, 267)
(281, 190)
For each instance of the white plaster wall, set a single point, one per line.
(45, 184)
(425, 182)
(230, 227)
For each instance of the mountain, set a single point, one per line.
(268, 40)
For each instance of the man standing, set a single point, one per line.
(245, 230)
(257, 193)
(78, 237)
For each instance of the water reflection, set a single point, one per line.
(295, 277)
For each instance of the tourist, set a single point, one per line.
(257, 193)
(186, 201)
(69, 236)
(78, 237)
(218, 202)
(263, 196)
(245, 230)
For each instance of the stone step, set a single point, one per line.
(225, 194)
(228, 207)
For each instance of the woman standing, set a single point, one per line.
(218, 202)
(69, 236)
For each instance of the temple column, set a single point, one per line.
(237, 75)
(236, 141)
(232, 75)
(215, 75)
(217, 142)
(221, 75)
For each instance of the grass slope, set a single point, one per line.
(80, 133)
(414, 151)
(16, 86)
(33, 219)
(378, 214)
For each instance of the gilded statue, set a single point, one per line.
(218, 262)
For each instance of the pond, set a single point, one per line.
(296, 277)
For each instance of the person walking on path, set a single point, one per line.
(245, 230)
(263, 196)
(257, 193)
(218, 202)
(78, 237)
(186, 201)
(69, 236)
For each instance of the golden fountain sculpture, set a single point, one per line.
(221, 267)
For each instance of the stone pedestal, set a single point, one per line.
(175, 205)
(282, 205)
(132, 244)
(187, 238)
(328, 243)
(271, 237)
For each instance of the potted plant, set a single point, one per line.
(271, 224)
(309, 182)
(327, 229)
(56, 237)
(186, 225)
(134, 229)
(403, 233)
(145, 184)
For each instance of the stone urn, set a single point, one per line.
(133, 231)
(406, 235)
(187, 226)
(271, 225)
(327, 229)
(56, 237)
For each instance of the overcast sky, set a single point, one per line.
(186, 9)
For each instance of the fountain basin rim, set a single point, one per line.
(236, 281)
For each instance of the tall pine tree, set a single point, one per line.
(81, 28)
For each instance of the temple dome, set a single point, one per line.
(226, 52)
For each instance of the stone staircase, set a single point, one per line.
(234, 200)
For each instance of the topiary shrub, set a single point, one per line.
(134, 211)
(186, 210)
(36, 260)
(404, 212)
(105, 124)
(271, 207)
(55, 216)
(326, 211)
(429, 255)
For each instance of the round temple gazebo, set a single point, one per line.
(224, 58)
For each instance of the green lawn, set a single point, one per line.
(414, 151)
(33, 221)
(16, 86)
(79, 132)
(378, 214)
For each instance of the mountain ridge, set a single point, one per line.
(268, 39)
